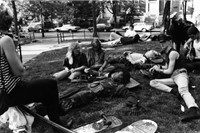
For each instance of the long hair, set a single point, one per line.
(96, 48)
(6, 16)
(70, 54)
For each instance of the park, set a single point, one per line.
(161, 107)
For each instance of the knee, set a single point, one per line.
(153, 83)
(183, 90)
(74, 75)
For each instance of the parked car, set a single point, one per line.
(101, 27)
(140, 26)
(36, 27)
(68, 28)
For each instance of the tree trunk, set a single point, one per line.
(94, 19)
(184, 10)
(115, 13)
(42, 21)
(166, 16)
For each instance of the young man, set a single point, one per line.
(114, 85)
(177, 75)
(117, 39)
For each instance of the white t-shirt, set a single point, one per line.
(135, 58)
(130, 33)
(196, 45)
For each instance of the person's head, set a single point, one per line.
(120, 75)
(162, 38)
(166, 50)
(131, 26)
(176, 17)
(152, 54)
(74, 48)
(96, 44)
(193, 32)
(6, 17)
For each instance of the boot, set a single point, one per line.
(191, 114)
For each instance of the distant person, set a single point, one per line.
(129, 37)
(21, 92)
(74, 63)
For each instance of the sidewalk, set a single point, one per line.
(29, 51)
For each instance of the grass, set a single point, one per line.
(163, 108)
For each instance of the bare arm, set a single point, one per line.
(79, 68)
(12, 56)
(173, 56)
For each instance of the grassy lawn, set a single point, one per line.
(163, 108)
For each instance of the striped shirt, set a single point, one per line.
(9, 79)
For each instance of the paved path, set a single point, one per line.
(31, 50)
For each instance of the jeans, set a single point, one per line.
(179, 79)
(114, 36)
(42, 90)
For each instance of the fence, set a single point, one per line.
(83, 34)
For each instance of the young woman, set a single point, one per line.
(11, 70)
(74, 63)
(95, 57)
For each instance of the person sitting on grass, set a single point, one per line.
(12, 70)
(116, 84)
(95, 57)
(192, 49)
(74, 63)
(177, 75)
(117, 39)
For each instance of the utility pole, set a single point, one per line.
(16, 27)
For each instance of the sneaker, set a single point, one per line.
(192, 114)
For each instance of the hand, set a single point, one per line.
(72, 70)
(155, 68)
(186, 46)
(86, 70)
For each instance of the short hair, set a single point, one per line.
(126, 75)
(6, 17)
(192, 30)
(131, 25)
